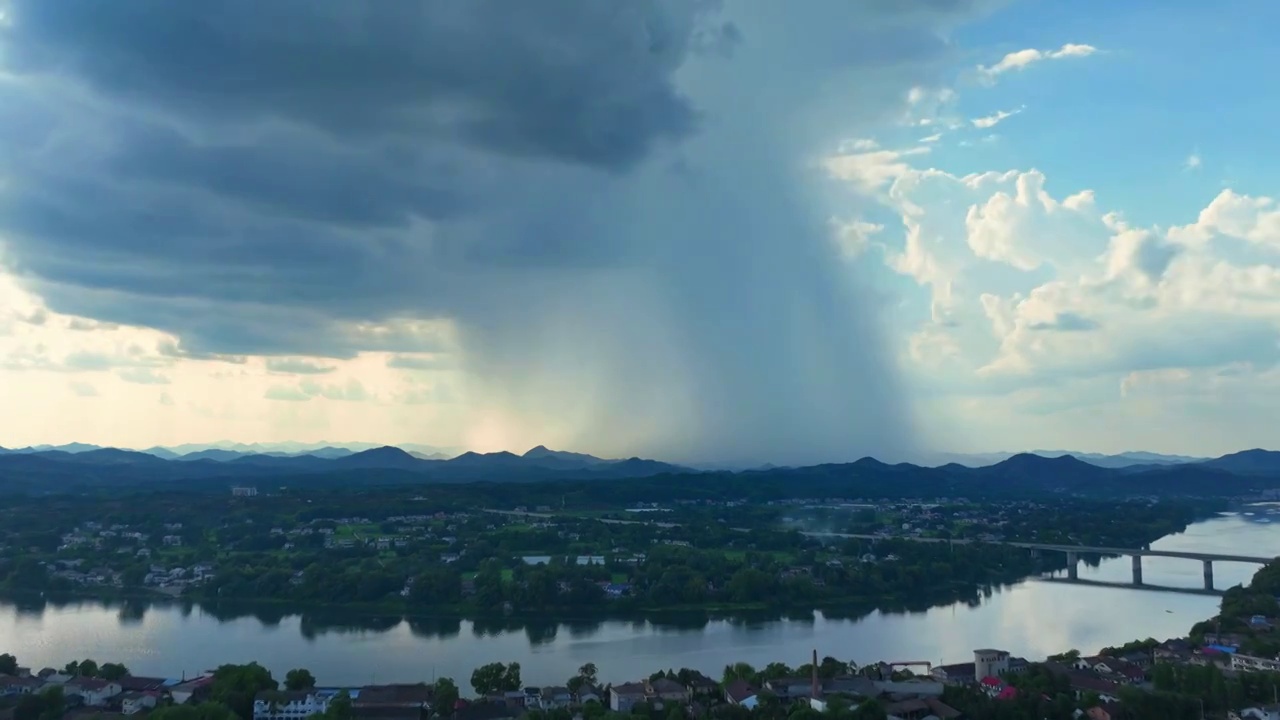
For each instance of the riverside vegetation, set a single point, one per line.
(1184, 684)
(405, 550)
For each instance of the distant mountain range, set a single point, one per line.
(1119, 460)
(81, 467)
(228, 451)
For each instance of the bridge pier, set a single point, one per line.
(1035, 553)
(1072, 559)
(1137, 569)
(1208, 574)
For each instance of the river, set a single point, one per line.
(1033, 618)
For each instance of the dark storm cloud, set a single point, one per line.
(294, 155)
(586, 82)
(267, 178)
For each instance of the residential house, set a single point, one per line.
(850, 685)
(1097, 663)
(392, 702)
(668, 690)
(555, 696)
(914, 687)
(131, 683)
(1247, 663)
(1140, 659)
(486, 711)
(136, 701)
(1132, 674)
(94, 691)
(913, 709)
(740, 692)
(627, 695)
(1083, 683)
(791, 688)
(700, 685)
(590, 693)
(191, 690)
(19, 685)
(533, 697)
(958, 674)
(1172, 649)
(1113, 668)
(512, 698)
(288, 704)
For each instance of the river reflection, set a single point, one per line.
(1031, 618)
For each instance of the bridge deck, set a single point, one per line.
(1216, 557)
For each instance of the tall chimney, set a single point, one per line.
(814, 690)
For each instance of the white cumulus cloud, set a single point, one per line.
(1022, 59)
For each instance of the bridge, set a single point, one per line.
(1073, 553)
(1129, 586)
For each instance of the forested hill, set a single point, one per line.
(1241, 474)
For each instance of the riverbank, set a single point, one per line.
(848, 607)
(1029, 618)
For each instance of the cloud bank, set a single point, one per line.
(601, 210)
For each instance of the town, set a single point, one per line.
(1144, 679)
(400, 550)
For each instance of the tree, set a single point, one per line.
(1067, 657)
(339, 707)
(446, 696)
(738, 671)
(236, 685)
(588, 673)
(203, 711)
(8, 664)
(55, 703)
(299, 679)
(869, 710)
(511, 678)
(487, 679)
(29, 707)
(112, 671)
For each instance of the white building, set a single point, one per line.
(1248, 663)
(290, 705)
(135, 702)
(94, 691)
(989, 663)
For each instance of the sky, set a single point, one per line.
(694, 230)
